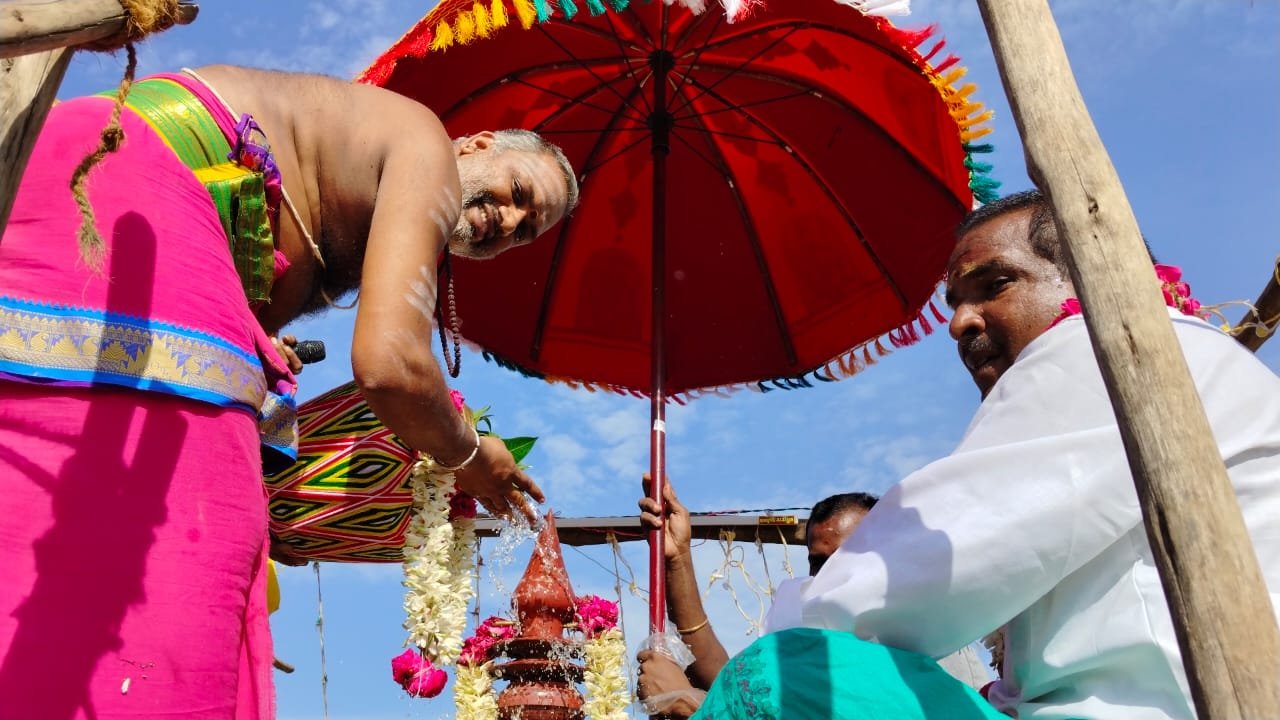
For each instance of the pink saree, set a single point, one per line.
(133, 524)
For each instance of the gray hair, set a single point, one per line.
(531, 142)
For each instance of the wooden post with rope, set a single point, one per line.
(1221, 610)
(1258, 325)
(36, 43)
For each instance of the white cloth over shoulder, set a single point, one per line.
(1034, 522)
(785, 611)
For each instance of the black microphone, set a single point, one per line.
(309, 351)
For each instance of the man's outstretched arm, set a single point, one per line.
(392, 358)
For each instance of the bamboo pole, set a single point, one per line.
(29, 27)
(1266, 310)
(28, 85)
(1221, 610)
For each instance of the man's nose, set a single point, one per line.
(965, 320)
(511, 218)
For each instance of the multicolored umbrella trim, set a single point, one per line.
(454, 22)
(841, 367)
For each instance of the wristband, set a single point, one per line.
(695, 628)
(474, 451)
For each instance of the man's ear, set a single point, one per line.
(479, 142)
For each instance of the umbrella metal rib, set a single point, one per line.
(762, 264)
(745, 62)
(792, 26)
(630, 70)
(753, 103)
(481, 90)
(587, 68)
(872, 125)
(836, 201)
(544, 309)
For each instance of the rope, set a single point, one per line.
(91, 246)
(753, 511)
(1262, 328)
(475, 578)
(324, 674)
(632, 678)
(754, 625)
(786, 554)
(632, 587)
(768, 578)
(142, 17)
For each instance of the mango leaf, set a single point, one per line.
(519, 446)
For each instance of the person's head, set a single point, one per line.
(515, 186)
(1006, 281)
(830, 522)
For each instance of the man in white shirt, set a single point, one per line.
(1033, 522)
(830, 522)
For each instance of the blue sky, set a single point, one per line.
(1183, 93)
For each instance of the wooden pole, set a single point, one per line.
(29, 27)
(1222, 613)
(28, 85)
(1267, 308)
(36, 43)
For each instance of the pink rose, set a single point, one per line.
(496, 628)
(458, 401)
(1168, 273)
(427, 683)
(462, 505)
(404, 665)
(1191, 307)
(1071, 306)
(475, 650)
(417, 675)
(596, 615)
(1168, 297)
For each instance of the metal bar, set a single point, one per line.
(778, 529)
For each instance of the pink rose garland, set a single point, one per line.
(475, 650)
(417, 675)
(1177, 295)
(596, 615)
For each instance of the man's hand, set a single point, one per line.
(282, 552)
(285, 345)
(663, 684)
(494, 479)
(675, 521)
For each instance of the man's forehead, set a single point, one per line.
(1002, 236)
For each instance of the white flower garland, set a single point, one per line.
(437, 566)
(607, 693)
(473, 695)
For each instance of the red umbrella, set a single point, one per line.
(763, 199)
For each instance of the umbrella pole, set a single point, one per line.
(660, 124)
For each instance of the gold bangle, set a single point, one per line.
(695, 628)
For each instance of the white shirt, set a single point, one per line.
(1034, 521)
(785, 612)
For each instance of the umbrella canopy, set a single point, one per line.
(765, 192)
(815, 165)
